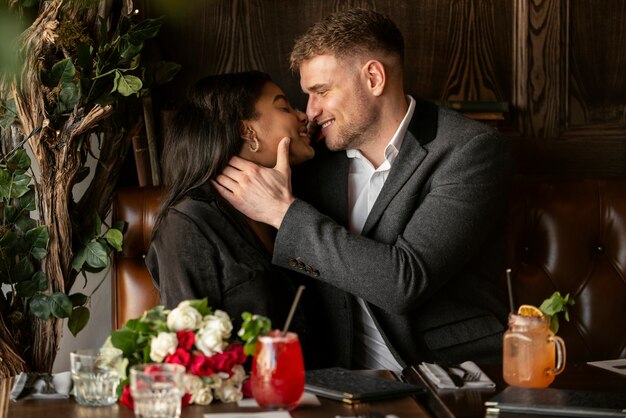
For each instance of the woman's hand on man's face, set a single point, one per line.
(260, 193)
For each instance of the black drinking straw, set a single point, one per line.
(509, 286)
(293, 309)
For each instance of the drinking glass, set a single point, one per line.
(157, 389)
(532, 354)
(96, 375)
(278, 371)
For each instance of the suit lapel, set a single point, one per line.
(422, 130)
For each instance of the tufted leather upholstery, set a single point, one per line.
(133, 291)
(566, 235)
(570, 235)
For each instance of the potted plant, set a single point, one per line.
(74, 96)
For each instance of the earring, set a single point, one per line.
(254, 141)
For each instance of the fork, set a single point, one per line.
(468, 376)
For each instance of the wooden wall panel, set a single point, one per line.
(561, 64)
(455, 49)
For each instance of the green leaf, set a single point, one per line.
(96, 255)
(5, 184)
(38, 237)
(25, 223)
(20, 160)
(201, 305)
(126, 340)
(60, 305)
(554, 305)
(39, 306)
(69, 96)
(39, 253)
(252, 327)
(79, 259)
(165, 71)
(78, 299)
(130, 47)
(29, 288)
(78, 320)
(8, 240)
(63, 72)
(115, 238)
(28, 201)
(126, 84)
(23, 270)
(146, 29)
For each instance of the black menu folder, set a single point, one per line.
(352, 386)
(558, 402)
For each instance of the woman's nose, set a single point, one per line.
(302, 117)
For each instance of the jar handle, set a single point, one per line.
(560, 354)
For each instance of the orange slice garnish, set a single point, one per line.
(530, 310)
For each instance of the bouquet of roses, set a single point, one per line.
(197, 337)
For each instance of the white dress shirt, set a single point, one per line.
(364, 185)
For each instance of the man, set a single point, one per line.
(408, 206)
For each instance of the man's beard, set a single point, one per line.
(357, 132)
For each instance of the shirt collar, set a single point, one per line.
(393, 147)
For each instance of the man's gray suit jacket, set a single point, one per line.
(430, 256)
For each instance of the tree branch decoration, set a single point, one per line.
(75, 96)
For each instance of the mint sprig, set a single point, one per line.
(252, 327)
(554, 305)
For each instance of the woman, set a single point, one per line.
(201, 246)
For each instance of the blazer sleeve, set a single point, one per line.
(430, 232)
(183, 262)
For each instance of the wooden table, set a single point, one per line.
(466, 403)
(406, 407)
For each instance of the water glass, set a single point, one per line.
(277, 377)
(157, 390)
(96, 375)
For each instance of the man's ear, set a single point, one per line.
(374, 72)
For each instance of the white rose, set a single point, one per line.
(203, 396)
(219, 321)
(229, 392)
(209, 341)
(192, 383)
(165, 343)
(184, 318)
(216, 381)
(239, 375)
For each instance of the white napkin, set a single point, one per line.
(440, 378)
(307, 399)
(25, 389)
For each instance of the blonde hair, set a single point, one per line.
(349, 33)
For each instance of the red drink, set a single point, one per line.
(278, 371)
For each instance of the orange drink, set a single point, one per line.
(532, 354)
(277, 377)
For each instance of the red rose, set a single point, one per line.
(237, 349)
(127, 399)
(201, 365)
(180, 356)
(224, 362)
(186, 399)
(246, 388)
(186, 339)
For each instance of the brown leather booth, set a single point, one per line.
(133, 291)
(566, 235)
(570, 236)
